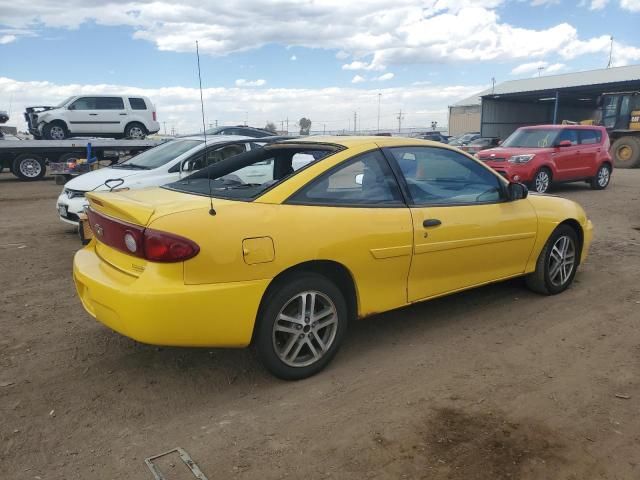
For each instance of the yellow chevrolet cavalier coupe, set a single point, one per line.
(283, 246)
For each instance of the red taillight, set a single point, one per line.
(166, 247)
(154, 116)
(153, 245)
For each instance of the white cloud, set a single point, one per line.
(4, 39)
(541, 67)
(421, 83)
(372, 33)
(631, 5)
(241, 82)
(358, 65)
(598, 4)
(179, 106)
(384, 77)
(358, 79)
(555, 67)
(528, 67)
(293, 58)
(538, 3)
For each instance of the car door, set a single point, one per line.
(465, 233)
(82, 115)
(112, 115)
(361, 193)
(590, 149)
(567, 159)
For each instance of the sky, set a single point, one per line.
(328, 60)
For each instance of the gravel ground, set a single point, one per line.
(495, 383)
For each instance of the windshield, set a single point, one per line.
(157, 156)
(246, 176)
(63, 103)
(532, 138)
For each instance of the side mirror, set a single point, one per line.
(517, 191)
(565, 143)
(359, 178)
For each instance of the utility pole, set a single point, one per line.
(493, 85)
(246, 118)
(540, 69)
(165, 127)
(355, 122)
(400, 121)
(216, 123)
(287, 125)
(324, 128)
(379, 96)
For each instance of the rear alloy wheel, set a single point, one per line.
(557, 264)
(542, 181)
(302, 327)
(602, 178)
(135, 131)
(29, 167)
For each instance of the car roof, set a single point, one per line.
(354, 141)
(215, 139)
(107, 95)
(562, 127)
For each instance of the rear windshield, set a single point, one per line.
(248, 175)
(157, 156)
(532, 138)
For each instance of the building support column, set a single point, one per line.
(555, 108)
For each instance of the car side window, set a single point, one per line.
(568, 134)
(438, 176)
(137, 103)
(366, 180)
(84, 103)
(589, 137)
(109, 103)
(213, 156)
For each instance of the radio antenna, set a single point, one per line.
(212, 211)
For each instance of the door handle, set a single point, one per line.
(123, 114)
(93, 114)
(431, 222)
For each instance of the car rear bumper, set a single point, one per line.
(72, 208)
(161, 310)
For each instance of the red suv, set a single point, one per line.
(543, 154)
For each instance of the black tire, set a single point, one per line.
(132, 129)
(29, 167)
(625, 152)
(286, 297)
(542, 280)
(538, 183)
(55, 131)
(602, 178)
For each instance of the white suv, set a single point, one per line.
(127, 116)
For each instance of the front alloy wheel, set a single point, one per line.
(557, 264)
(301, 326)
(542, 181)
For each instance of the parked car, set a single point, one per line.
(370, 225)
(240, 130)
(434, 137)
(481, 143)
(128, 116)
(159, 165)
(464, 139)
(546, 154)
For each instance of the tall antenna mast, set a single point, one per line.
(610, 53)
(212, 212)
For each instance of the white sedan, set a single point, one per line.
(157, 166)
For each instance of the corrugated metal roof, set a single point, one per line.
(552, 82)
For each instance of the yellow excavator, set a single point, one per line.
(619, 113)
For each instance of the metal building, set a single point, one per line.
(540, 100)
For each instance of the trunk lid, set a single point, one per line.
(137, 208)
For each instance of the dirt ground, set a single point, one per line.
(495, 383)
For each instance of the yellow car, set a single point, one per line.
(282, 247)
